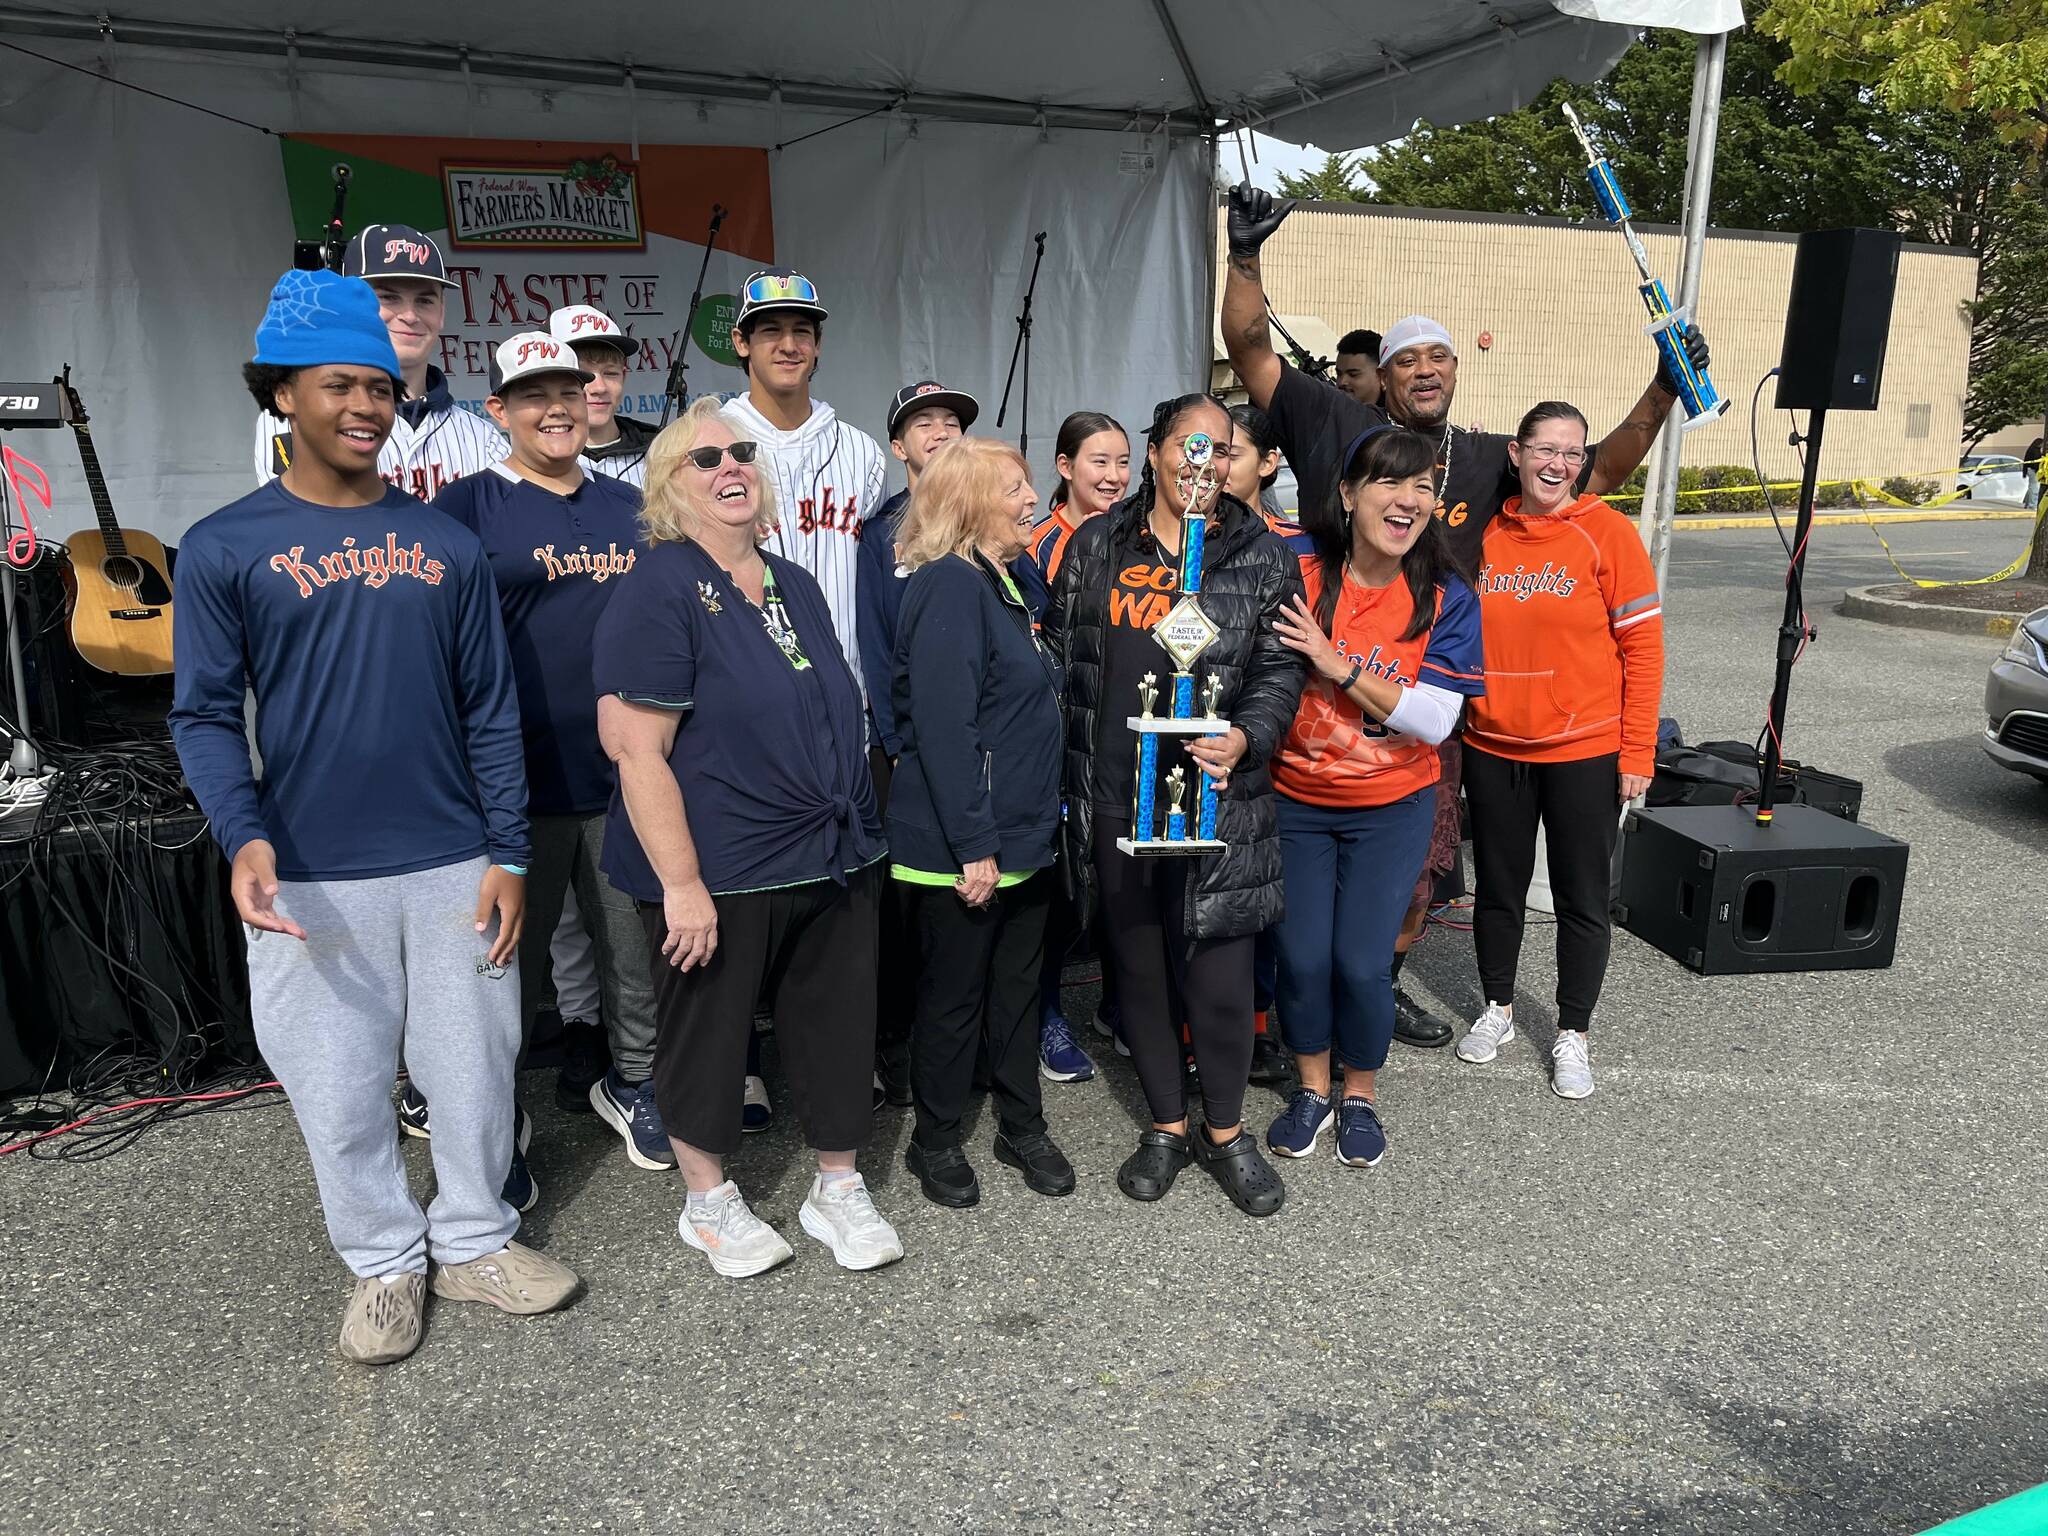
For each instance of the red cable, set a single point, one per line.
(116, 1109)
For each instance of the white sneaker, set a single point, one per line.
(755, 1111)
(729, 1234)
(1489, 1032)
(1571, 1070)
(844, 1219)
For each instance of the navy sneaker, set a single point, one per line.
(521, 1192)
(412, 1112)
(1361, 1143)
(629, 1109)
(1060, 1059)
(1307, 1116)
(586, 1057)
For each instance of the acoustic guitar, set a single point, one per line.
(121, 607)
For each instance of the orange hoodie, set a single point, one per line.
(1574, 638)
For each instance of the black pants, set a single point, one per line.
(809, 950)
(1579, 805)
(1165, 978)
(979, 983)
(896, 957)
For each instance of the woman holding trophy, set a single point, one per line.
(1179, 689)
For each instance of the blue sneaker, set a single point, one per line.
(629, 1109)
(755, 1112)
(1060, 1060)
(521, 1191)
(1307, 1116)
(412, 1112)
(1361, 1143)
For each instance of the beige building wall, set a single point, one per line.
(1560, 303)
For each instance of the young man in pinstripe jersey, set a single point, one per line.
(828, 479)
(828, 476)
(433, 440)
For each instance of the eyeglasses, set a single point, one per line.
(1544, 453)
(709, 458)
(772, 287)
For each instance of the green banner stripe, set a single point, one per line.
(377, 193)
(2024, 1514)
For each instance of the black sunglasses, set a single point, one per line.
(708, 458)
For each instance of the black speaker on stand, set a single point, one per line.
(1729, 889)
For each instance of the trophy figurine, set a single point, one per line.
(1184, 633)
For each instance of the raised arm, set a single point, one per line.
(1621, 450)
(1247, 335)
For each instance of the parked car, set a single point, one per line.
(1993, 477)
(2016, 699)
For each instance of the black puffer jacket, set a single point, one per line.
(1247, 574)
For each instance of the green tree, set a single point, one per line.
(1334, 181)
(1978, 56)
(1784, 161)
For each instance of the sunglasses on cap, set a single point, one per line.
(780, 287)
(708, 458)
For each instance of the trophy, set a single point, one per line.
(1184, 633)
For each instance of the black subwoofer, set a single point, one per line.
(1723, 896)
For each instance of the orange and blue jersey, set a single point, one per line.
(1335, 753)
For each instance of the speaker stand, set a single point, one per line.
(1794, 632)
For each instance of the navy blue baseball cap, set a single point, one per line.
(394, 250)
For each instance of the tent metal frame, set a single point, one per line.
(1194, 117)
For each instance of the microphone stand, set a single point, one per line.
(1793, 632)
(1023, 348)
(677, 390)
(1315, 367)
(327, 251)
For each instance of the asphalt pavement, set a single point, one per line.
(1782, 1273)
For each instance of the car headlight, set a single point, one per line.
(2025, 648)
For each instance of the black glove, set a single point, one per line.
(1253, 216)
(1695, 345)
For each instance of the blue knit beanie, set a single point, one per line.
(322, 317)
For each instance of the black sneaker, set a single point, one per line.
(1269, 1062)
(1417, 1026)
(892, 1066)
(1044, 1166)
(1241, 1168)
(586, 1057)
(1149, 1172)
(413, 1119)
(948, 1178)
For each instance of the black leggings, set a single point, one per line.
(1579, 805)
(1164, 978)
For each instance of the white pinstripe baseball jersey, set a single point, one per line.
(828, 479)
(446, 443)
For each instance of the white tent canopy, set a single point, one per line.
(157, 229)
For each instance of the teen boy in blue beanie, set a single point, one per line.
(379, 863)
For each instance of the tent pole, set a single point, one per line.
(1660, 498)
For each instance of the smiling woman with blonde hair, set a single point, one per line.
(745, 827)
(973, 811)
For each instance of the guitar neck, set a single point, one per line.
(96, 482)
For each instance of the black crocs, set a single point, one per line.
(1149, 1172)
(1241, 1168)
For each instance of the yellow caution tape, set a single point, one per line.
(2019, 562)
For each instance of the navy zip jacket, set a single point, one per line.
(878, 602)
(977, 706)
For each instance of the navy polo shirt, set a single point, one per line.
(556, 560)
(771, 752)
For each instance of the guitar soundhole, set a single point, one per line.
(122, 571)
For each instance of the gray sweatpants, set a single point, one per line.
(566, 850)
(386, 961)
